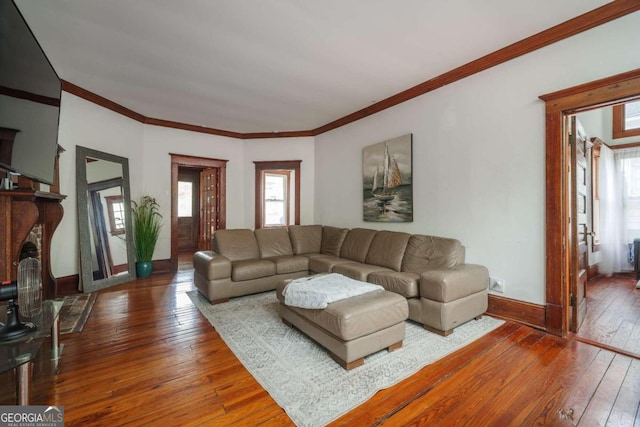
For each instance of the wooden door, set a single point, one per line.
(188, 209)
(209, 207)
(579, 226)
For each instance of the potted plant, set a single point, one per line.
(147, 222)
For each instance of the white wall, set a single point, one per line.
(478, 154)
(593, 123)
(147, 148)
(158, 143)
(86, 124)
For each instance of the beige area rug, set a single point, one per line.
(75, 311)
(299, 374)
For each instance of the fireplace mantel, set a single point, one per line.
(20, 211)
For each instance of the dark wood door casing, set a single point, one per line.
(596, 94)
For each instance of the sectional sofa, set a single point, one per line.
(441, 290)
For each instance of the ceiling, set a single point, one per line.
(273, 65)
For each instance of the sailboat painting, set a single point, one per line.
(388, 181)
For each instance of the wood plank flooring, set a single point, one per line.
(147, 357)
(613, 313)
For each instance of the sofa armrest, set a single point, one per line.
(212, 265)
(450, 284)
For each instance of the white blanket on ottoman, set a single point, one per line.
(323, 289)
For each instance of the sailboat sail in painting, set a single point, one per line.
(387, 167)
(391, 177)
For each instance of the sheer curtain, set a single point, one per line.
(611, 214)
(619, 207)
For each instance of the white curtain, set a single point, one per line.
(619, 207)
(611, 214)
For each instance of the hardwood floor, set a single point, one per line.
(147, 357)
(613, 313)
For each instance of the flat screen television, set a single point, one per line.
(30, 92)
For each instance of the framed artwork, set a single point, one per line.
(387, 180)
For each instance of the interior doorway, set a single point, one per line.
(605, 183)
(198, 203)
(559, 244)
(188, 208)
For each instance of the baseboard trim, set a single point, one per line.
(67, 285)
(519, 311)
(162, 266)
(592, 271)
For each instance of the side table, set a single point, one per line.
(19, 353)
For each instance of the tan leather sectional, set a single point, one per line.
(442, 291)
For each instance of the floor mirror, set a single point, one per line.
(104, 219)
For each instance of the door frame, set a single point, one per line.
(558, 105)
(193, 175)
(181, 160)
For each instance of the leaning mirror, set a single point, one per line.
(104, 219)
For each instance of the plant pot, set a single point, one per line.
(143, 269)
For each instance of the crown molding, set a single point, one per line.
(609, 12)
(101, 101)
(579, 24)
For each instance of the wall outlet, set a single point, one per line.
(496, 284)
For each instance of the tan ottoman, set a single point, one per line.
(351, 328)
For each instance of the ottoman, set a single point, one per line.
(351, 328)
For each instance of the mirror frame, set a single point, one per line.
(82, 189)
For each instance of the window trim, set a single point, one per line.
(619, 130)
(290, 165)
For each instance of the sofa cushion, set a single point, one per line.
(237, 244)
(357, 270)
(325, 263)
(290, 263)
(428, 252)
(356, 244)
(387, 249)
(273, 242)
(454, 283)
(305, 239)
(405, 284)
(332, 239)
(252, 269)
(357, 316)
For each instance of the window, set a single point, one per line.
(277, 194)
(626, 119)
(276, 198)
(185, 199)
(115, 208)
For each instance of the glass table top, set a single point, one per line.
(17, 351)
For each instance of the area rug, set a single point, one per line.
(75, 311)
(299, 374)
